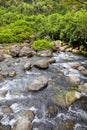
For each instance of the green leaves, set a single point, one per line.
(42, 45)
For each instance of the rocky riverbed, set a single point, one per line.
(43, 90)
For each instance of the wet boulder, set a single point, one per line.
(7, 110)
(38, 84)
(42, 64)
(14, 50)
(63, 48)
(75, 66)
(7, 56)
(74, 80)
(83, 88)
(4, 74)
(66, 98)
(12, 74)
(76, 51)
(66, 125)
(27, 66)
(45, 53)
(83, 70)
(26, 51)
(69, 49)
(51, 60)
(24, 122)
(2, 57)
(3, 92)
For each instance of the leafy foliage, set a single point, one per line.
(37, 19)
(42, 45)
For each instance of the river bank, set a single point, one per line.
(42, 90)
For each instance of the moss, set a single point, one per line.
(42, 45)
(65, 98)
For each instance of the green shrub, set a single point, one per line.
(42, 45)
(73, 28)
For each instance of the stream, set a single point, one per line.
(18, 98)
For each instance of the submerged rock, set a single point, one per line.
(74, 80)
(66, 98)
(45, 53)
(38, 84)
(27, 66)
(3, 93)
(12, 74)
(42, 64)
(66, 125)
(51, 111)
(83, 88)
(83, 70)
(4, 74)
(7, 110)
(24, 122)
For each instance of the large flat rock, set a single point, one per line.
(38, 84)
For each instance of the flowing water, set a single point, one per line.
(18, 98)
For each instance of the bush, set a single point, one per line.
(73, 29)
(42, 45)
(6, 36)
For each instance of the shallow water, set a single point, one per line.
(19, 99)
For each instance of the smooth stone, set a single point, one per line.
(74, 80)
(76, 51)
(12, 74)
(69, 49)
(24, 122)
(26, 51)
(63, 48)
(51, 60)
(45, 53)
(42, 64)
(28, 114)
(3, 93)
(38, 84)
(27, 66)
(83, 70)
(14, 50)
(7, 110)
(4, 74)
(83, 88)
(7, 56)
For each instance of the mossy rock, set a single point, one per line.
(66, 98)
